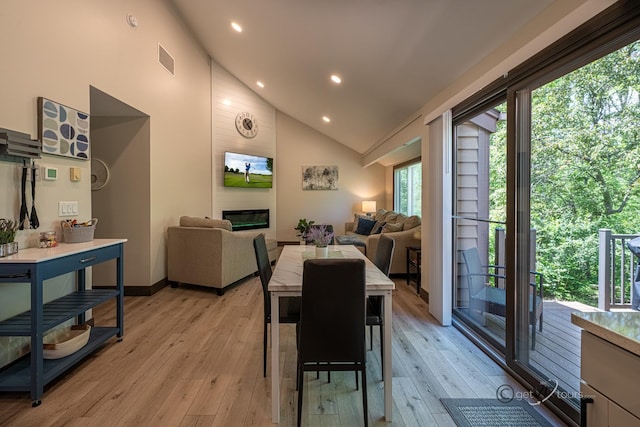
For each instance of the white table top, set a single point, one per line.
(32, 255)
(287, 276)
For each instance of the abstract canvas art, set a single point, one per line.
(63, 130)
(319, 177)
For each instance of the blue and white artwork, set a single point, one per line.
(63, 130)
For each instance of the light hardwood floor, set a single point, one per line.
(192, 358)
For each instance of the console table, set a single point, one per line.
(35, 265)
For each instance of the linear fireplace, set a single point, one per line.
(247, 219)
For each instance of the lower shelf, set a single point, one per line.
(17, 377)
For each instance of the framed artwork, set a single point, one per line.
(319, 177)
(63, 130)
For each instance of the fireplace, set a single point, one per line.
(247, 219)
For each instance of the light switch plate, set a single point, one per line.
(67, 208)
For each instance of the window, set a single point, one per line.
(407, 188)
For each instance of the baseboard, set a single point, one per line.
(139, 291)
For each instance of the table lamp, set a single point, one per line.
(369, 207)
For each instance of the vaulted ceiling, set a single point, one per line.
(393, 56)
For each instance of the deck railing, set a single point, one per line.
(616, 270)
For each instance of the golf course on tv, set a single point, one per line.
(233, 179)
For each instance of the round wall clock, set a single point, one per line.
(247, 125)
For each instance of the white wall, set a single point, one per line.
(230, 97)
(300, 145)
(57, 50)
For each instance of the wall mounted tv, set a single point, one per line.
(247, 171)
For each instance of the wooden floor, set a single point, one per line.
(192, 358)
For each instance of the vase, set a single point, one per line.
(322, 251)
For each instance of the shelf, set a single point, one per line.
(57, 311)
(17, 377)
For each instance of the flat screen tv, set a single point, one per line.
(247, 171)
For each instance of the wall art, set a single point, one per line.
(319, 177)
(63, 130)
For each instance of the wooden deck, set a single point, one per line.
(557, 351)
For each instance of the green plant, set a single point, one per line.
(8, 230)
(303, 227)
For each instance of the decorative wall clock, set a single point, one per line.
(247, 124)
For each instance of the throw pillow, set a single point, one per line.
(356, 218)
(411, 222)
(377, 228)
(190, 221)
(365, 226)
(391, 228)
(382, 214)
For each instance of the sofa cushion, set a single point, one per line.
(411, 222)
(395, 218)
(365, 226)
(381, 215)
(392, 228)
(191, 221)
(377, 227)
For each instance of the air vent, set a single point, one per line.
(166, 60)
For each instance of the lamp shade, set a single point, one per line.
(369, 206)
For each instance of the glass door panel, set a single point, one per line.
(479, 224)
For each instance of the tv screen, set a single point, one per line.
(247, 171)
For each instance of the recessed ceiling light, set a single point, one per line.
(336, 79)
(259, 83)
(236, 27)
(226, 102)
(326, 119)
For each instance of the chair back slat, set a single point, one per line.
(264, 269)
(332, 316)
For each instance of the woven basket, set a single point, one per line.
(78, 234)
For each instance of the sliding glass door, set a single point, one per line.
(542, 162)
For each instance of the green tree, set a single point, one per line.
(585, 170)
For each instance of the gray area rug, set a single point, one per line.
(493, 413)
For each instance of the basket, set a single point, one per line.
(72, 339)
(79, 234)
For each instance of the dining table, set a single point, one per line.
(287, 281)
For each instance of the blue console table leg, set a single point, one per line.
(120, 298)
(37, 370)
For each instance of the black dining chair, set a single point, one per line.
(375, 308)
(289, 306)
(332, 330)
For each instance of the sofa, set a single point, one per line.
(405, 230)
(205, 252)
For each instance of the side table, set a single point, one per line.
(414, 261)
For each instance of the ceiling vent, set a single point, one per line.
(166, 60)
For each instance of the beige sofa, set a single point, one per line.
(206, 252)
(404, 230)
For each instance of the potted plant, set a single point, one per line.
(320, 238)
(303, 228)
(8, 229)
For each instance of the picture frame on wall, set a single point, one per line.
(319, 177)
(63, 131)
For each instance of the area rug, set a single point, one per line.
(493, 413)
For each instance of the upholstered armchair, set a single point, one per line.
(206, 252)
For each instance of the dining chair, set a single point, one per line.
(332, 330)
(382, 260)
(289, 306)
